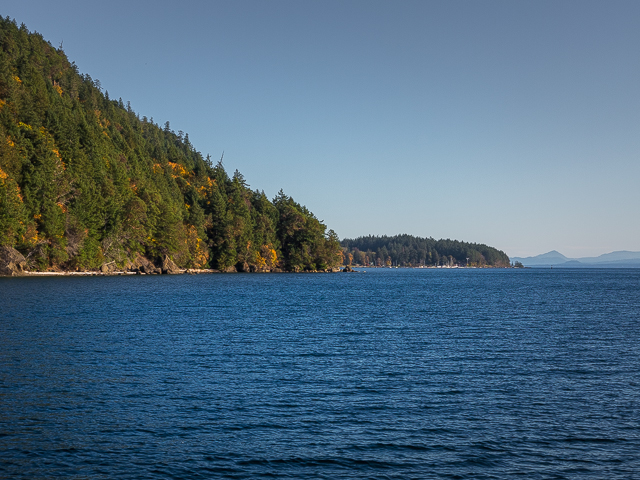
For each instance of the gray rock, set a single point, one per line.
(12, 262)
(108, 267)
(143, 265)
(169, 266)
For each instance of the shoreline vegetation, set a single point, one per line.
(206, 271)
(89, 186)
(11, 265)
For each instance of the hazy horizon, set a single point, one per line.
(509, 124)
(578, 258)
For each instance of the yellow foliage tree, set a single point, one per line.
(198, 252)
(12, 211)
(269, 255)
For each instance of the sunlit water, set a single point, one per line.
(466, 374)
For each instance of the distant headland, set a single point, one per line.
(409, 251)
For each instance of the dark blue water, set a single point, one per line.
(467, 374)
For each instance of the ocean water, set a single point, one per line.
(461, 374)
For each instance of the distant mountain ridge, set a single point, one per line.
(619, 259)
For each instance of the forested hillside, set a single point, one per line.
(85, 181)
(406, 250)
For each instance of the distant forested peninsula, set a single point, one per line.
(410, 251)
(86, 183)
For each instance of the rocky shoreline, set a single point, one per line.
(14, 264)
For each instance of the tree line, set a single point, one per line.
(85, 180)
(410, 251)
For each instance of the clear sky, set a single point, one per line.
(511, 123)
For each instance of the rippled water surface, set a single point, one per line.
(468, 374)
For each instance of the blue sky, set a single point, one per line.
(515, 124)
